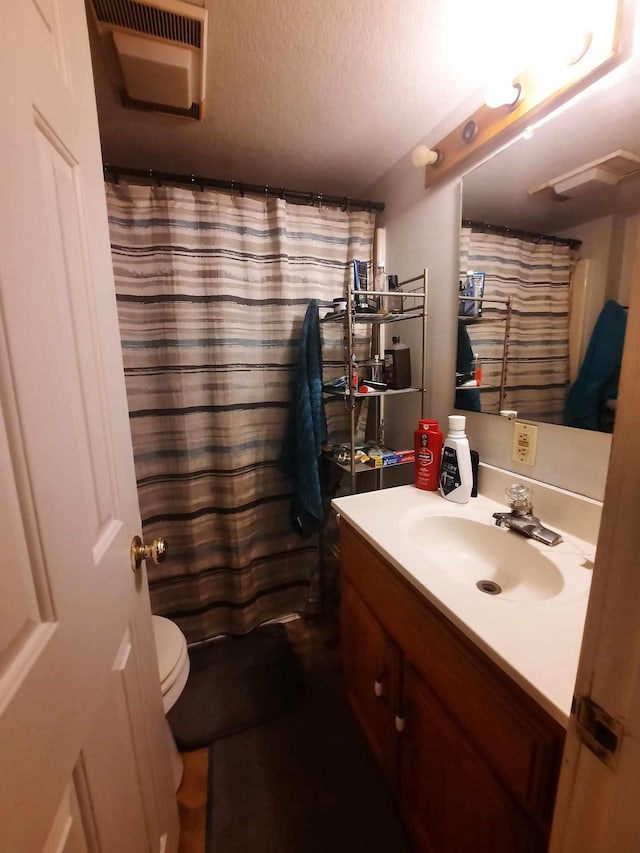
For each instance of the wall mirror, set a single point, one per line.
(551, 229)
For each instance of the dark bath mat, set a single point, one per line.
(304, 782)
(235, 683)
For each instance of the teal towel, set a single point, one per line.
(597, 379)
(306, 430)
(469, 399)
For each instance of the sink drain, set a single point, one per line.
(490, 587)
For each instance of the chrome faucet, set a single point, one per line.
(521, 517)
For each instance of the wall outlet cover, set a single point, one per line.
(525, 442)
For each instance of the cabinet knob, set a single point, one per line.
(378, 684)
(400, 723)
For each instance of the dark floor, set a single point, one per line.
(316, 644)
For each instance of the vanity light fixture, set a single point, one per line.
(579, 44)
(422, 155)
(536, 91)
(469, 131)
(503, 93)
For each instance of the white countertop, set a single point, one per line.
(537, 643)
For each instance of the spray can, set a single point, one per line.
(427, 444)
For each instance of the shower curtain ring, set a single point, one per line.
(282, 194)
(320, 200)
(347, 206)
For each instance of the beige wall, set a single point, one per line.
(598, 245)
(629, 262)
(422, 231)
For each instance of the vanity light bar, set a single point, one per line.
(542, 89)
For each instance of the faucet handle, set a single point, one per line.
(519, 497)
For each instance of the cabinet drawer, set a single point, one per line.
(518, 740)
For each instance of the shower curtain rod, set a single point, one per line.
(345, 202)
(526, 235)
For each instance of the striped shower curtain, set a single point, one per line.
(537, 276)
(212, 290)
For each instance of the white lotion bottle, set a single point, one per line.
(456, 475)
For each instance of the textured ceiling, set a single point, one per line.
(311, 94)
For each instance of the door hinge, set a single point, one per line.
(599, 731)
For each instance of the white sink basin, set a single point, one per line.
(483, 555)
(533, 628)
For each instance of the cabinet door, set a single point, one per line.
(371, 663)
(450, 800)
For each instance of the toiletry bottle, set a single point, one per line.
(477, 369)
(380, 277)
(427, 444)
(380, 286)
(475, 466)
(456, 476)
(397, 364)
(376, 369)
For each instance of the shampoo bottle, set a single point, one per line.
(427, 443)
(456, 476)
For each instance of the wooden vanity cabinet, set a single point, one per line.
(450, 799)
(473, 759)
(372, 666)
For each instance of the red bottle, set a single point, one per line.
(427, 443)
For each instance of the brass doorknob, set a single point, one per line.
(157, 551)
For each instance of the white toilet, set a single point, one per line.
(173, 663)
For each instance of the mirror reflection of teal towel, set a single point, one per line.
(597, 379)
(306, 430)
(469, 399)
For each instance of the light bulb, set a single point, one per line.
(502, 93)
(422, 155)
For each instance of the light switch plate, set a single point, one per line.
(525, 442)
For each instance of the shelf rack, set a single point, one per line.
(350, 318)
(505, 347)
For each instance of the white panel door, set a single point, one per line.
(597, 804)
(83, 760)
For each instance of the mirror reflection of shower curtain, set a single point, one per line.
(537, 275)
(212, 290)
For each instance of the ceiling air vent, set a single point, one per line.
(151, 107)
(156, 53)
(606, 171)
